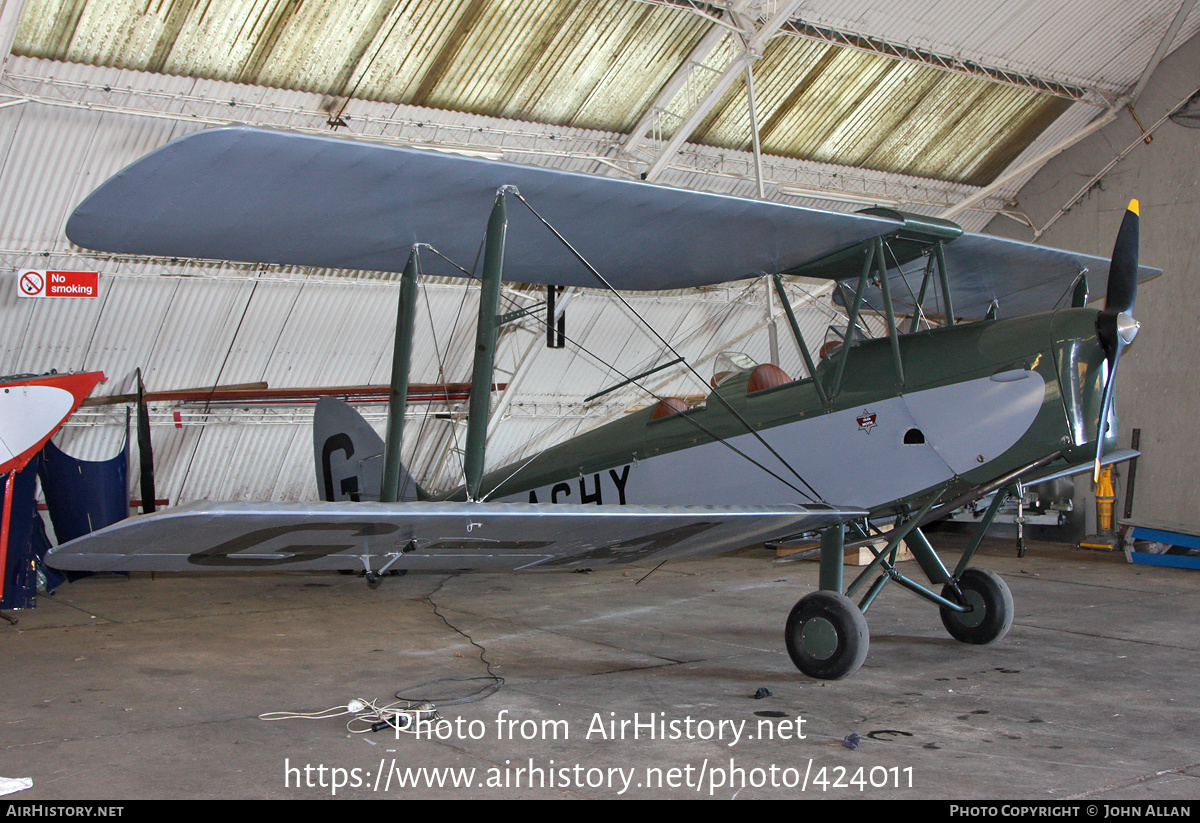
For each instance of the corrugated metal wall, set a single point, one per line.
(194, 331)
(1100, 43)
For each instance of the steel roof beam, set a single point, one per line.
(1185, 8)
(958, 65)
(676, 84)
(518, 142)
(926, 57)
(10, 18)
(753, 42)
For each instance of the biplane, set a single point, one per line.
(878, 439)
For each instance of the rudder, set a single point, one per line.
(349, 456)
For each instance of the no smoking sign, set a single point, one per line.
(31, 284)
(34, 283)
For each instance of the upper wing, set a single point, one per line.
(1022, 278)
(427, 536)
(263, 196)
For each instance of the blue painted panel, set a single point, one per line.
(1190, 541)
(27, 541)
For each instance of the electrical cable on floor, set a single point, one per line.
(411, 715)
(366, 716)
(494, 681)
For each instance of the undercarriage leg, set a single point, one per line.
(833, 552)
(826, 634)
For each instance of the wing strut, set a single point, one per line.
(485, 342)
(852, 319)
(808, 361)
(406, 312)
(939, 255)
(889, 312)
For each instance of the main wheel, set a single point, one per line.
(991, 603)
(827, 636)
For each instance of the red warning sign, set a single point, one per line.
(32, 283)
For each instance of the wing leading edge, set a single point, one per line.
(262, 196)
(434, 537)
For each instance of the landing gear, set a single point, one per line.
(827, 636)
(991, 608)
(375, 578)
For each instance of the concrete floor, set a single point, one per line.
(152, 688)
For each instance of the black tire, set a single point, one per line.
(992, 608)
(827, 636)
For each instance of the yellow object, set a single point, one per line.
(1106, 497)
(1133, 207)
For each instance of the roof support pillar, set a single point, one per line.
(754, 135)
(753, 43)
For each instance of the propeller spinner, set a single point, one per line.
(1115, 325)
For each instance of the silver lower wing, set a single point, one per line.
(423, 536)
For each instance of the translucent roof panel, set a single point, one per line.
(602, 64)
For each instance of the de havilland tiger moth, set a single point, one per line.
(880, 438)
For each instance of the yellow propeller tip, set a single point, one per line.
(1134, 207)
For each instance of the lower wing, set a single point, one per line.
(424, 536)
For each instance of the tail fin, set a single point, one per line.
(349, 456)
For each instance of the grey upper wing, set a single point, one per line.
(263, 196)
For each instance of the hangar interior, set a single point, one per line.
(1025, 120)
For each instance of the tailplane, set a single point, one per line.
(349, 456)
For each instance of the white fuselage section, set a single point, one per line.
(859, 457)
(28, 414)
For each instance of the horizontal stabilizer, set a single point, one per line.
(437, 537)
(261, 196)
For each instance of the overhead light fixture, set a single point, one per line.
(839, 196)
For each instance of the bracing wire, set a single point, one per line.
(605, 364)
(453, 331)
(686, 417)
(749, 428)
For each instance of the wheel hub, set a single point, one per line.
(819, 638)
(976, 609)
